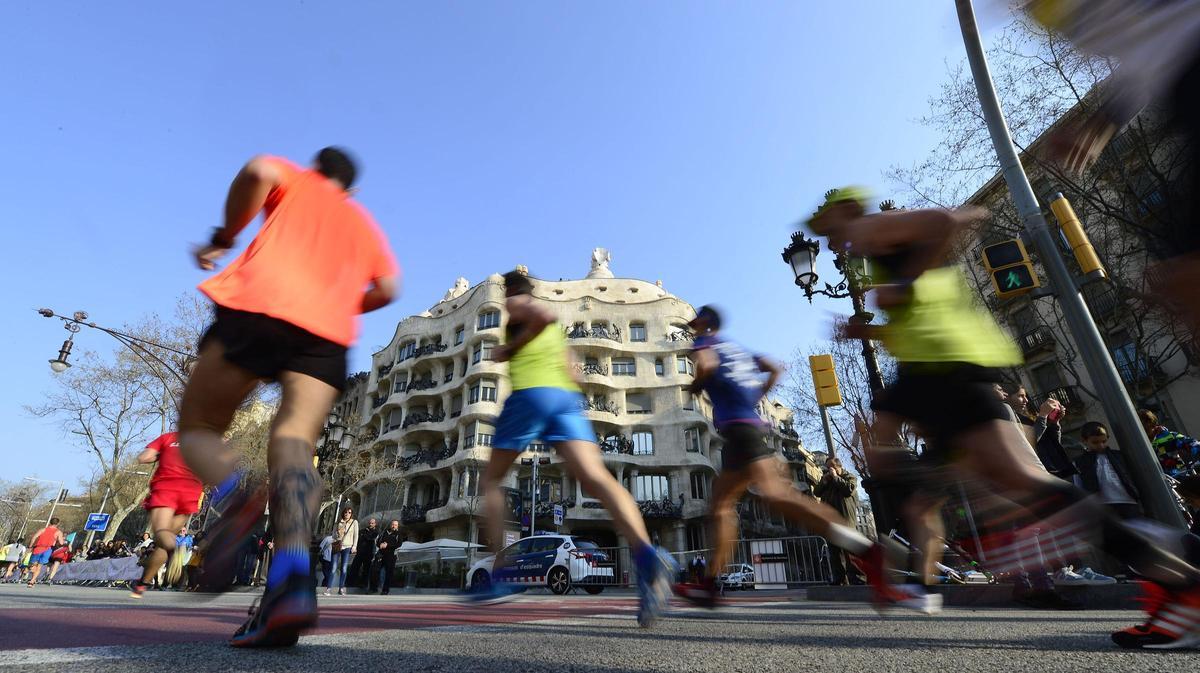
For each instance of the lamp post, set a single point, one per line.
(137, 345)
(533, 489)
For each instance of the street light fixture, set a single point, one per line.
(801, 254)
(137, 345)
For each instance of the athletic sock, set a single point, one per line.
(288, 561)
(226, 487)
(847, 538)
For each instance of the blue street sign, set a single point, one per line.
(558, 515)
(97, 521)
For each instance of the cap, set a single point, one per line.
(708, 314)
(854, 193)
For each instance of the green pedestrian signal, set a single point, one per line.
(1010, 268)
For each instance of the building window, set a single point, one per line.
(489, 392)
(487, 349)
(624, 367)
(643, 443)
(480, 434)
(1134, 367)
(489, 320)
(473, 397)
(659, 368)
(549, 488)
(638, 403)
(468, 485)
(485, 439)
(539, 447)
(459, 335)
(469, 441)
(691, 440)
(683, 365)
(449, 373)
(699, 484)
(637, 331)
(456, 406)
(651, 487)
(477, 354)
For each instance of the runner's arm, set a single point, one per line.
(380, 294)
(773, 369)
(706, 363)
(248, 194)
(147, 456)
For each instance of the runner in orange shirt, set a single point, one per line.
(286, 310)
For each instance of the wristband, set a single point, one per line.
(220, 239)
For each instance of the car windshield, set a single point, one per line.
(585, 544)
(734, 569)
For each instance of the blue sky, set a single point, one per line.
(686, 137)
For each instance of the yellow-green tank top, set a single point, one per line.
(542, 363)
(942, 323)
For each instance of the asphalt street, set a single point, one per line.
(87, 629)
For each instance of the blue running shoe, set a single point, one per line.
(654, 575)
(494, 593)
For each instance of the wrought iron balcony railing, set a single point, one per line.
(422, 384)
(617, 445)
(1036, 340)
(600, 405)
(423, 417)
(545, 508)
(384, 370)
(580, 332)
(794, 456)
(787, 430)
(591, 369)
(681, 335)
(378, 402)
(429, 349)
(666, 508)
(1065, 394)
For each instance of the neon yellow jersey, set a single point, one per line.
(542, 363)
(942, 324)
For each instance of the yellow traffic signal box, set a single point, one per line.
(825, 380)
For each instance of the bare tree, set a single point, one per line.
(17, 501)
(855, 386)
(1124, 200)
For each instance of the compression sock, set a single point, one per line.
(645, 556)
(288, 561)
(847, 538)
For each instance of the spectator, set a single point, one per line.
(326, 560)
(1175, 450)
(388, 543)
(837, 489)
(12, 555)
(697, 568)
(1103, 471)
(364, 553)
(1043, 430)
(345, 536)
(145, 545)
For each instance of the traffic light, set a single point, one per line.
(1010, 268)
(825, 380)
(1072, 228)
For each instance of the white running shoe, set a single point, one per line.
(1095, 579)
(1067, 577)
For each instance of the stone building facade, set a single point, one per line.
(433, 396)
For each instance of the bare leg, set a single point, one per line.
(34, 571)
(164, 522)
(295, 485)
(791, 503)
(214, 391)
(728, 488)
(584, 462)
(923, 514)
(53, 570)
(493, 498)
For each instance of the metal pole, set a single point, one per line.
(533, 500)
(28, 513)
(962, 492)
(1096, 358)
(54, 502)
(828, 433)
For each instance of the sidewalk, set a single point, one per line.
(1112, 597)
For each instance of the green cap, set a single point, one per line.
(855, 193)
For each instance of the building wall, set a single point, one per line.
(434, 438)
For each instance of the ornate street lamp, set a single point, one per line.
(801, 254)
(136, 345)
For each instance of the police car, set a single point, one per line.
(556, 562)
(737, 576)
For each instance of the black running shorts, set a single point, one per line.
(267, 346)
(943, 400)
(744, 444)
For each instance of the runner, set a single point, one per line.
(41, 546)
(12, 555)
(1157, 46)
(733, 380)
(174, 497)
(546, 404)
(948, 353)
(285, 311)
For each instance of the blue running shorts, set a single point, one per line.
(550, 414)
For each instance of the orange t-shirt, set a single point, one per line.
(312, 260)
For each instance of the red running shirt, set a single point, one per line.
(172, 472)
(46, 540)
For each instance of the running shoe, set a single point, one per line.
(240, 512)
(494, 593)
(705, 593)
(1095, 579)
(1067, 577)
(876, 564)
(284, 612)
(654, 586)
(1173, 620)
(138, 589)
